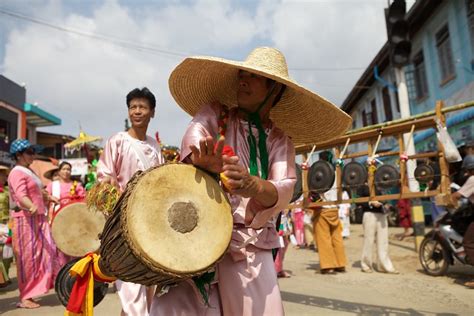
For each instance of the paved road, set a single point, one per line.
(353, 293)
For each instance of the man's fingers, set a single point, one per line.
(202, 147)
(233, 160)
(195, 152)
(220, 146)
(210, 145)
(233, 174)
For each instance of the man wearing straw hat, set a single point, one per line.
(254, 107)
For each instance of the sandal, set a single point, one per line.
(469, 284)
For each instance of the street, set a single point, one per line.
(308, 292)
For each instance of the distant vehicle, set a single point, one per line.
(443, 245)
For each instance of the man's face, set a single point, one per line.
(252, 90)
(140, 112)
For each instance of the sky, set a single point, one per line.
(79, 59)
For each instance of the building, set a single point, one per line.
(441, 68)
(19, 119)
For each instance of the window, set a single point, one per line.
(445, 54)
(365, 118)
(354, 121)
(373, 108)
(421, 85)
(397, 104)
(387, 105)
(369, 117)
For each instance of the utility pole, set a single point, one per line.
(400, 49)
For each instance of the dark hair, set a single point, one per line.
(271, 82)
(64, 163)
(141, 94)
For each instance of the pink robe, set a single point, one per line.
(120, 161)
(32, 242)
(246, 275)
(298, 220)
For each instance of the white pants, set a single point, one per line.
(134, 298)
(375, 224)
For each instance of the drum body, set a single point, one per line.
(65, 282)
(76, 229)
(173, 222)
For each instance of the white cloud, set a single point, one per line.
(86, 80)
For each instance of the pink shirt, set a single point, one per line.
(22, 182)
(253, 224)
(65, 190)
(120, 160)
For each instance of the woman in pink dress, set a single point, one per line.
(66, 191)
(298, 220)
(32, 242)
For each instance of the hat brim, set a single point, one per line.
(49, 174)
(4, 168)
(302, 114)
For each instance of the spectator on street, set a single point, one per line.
(375, 224)
(6, 256)
(344, 216)
(298, 224)
(284, 234)
(32, 241)
(404, 211)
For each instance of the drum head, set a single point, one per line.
(321, 176)
(299, 184)
(64, 283)
(76, 229)
(178, 218)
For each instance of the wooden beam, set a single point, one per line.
(421, 121)
(403, 166)
(362, 136)
(355, 155)
(386, 197)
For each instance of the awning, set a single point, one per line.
(38, 117)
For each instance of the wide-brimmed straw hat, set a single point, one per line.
(4, 169)
(49, 174)
(304, 115)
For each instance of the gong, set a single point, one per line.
(321, 176)
(424, 173)
(386, 177)
(354, 174)
(299, 183)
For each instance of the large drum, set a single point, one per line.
(76, 229)
(172, 222)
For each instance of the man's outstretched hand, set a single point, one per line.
(209, 155)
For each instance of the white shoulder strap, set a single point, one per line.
(140, 154)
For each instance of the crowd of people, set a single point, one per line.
(231, 104)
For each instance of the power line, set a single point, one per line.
(328, 69)
(139, 47)
(115, 41)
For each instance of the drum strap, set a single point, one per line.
(140, 154)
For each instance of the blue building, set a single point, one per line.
(442, 68)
